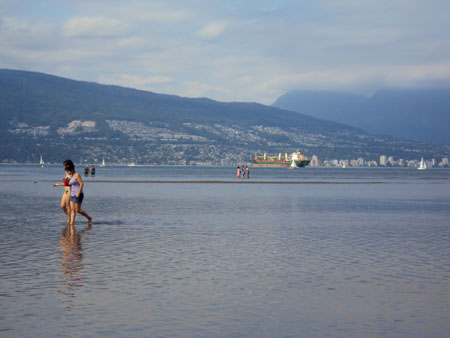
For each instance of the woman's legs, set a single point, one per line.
(72, 213)
(65, 204)
(82, 212)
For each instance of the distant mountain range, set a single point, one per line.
(60, 118)
(407, 114)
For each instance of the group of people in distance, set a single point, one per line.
(86, 171)
(244, 171)
(73, 194)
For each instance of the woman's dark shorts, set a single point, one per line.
(74, 199)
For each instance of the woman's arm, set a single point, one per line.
(64, 184)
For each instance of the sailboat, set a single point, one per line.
(41, 162)
(422, 165)
(103, 163)
(293, 165)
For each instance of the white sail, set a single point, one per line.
(103, 163)
(41, 162)
(293, 164)
(422, 165)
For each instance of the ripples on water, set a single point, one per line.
(192, 259)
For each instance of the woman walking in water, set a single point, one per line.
(76, 193)
(65, 199)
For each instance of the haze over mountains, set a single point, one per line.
(60, 118)
(407, 114)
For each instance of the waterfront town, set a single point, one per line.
(384, 161)
(122, 142)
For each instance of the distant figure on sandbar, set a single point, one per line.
(243, 171)
(247, 170)
(92, 170)
(86, 171)
(238, 173)
(76, 193)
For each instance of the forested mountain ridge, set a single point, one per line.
(57, 118)
(414, 114)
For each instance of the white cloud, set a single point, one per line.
(135, 81)
(160, 16)
(93, 27)
(26, 33)
(211, 31)
(195, 89)
(258, 52)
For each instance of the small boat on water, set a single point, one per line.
(422, 165)
(41, 162)
(103, 163)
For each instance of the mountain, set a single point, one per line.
(407, 114)
(60, 118)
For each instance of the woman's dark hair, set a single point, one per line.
(68, 165)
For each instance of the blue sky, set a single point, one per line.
(232, 50)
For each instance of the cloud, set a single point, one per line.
(135, 81)
(231, 51)
(160, 16)
(211, 31)
(92, 27)
(26, 33)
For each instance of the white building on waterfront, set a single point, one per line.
(314, 161)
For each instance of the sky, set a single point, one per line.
(229, 50)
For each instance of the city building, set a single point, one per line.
(314, 162)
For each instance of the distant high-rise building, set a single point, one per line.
(444, 162)
(314, 161)
(391, 160)
(383, 160)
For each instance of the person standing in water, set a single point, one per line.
(247, 170)
(238, 173)
(92, 170)
(76, 193)
(65, 199)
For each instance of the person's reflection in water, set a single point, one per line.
(72, 256)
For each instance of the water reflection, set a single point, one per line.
(72, 257)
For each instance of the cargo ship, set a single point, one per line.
(294, 160)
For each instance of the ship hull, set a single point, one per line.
(279, 163)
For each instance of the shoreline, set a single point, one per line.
(225, 182)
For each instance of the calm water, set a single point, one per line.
(317, 252)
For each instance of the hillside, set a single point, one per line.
(57, 118)
(407, 114)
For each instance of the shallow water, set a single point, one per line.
(317, 252)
